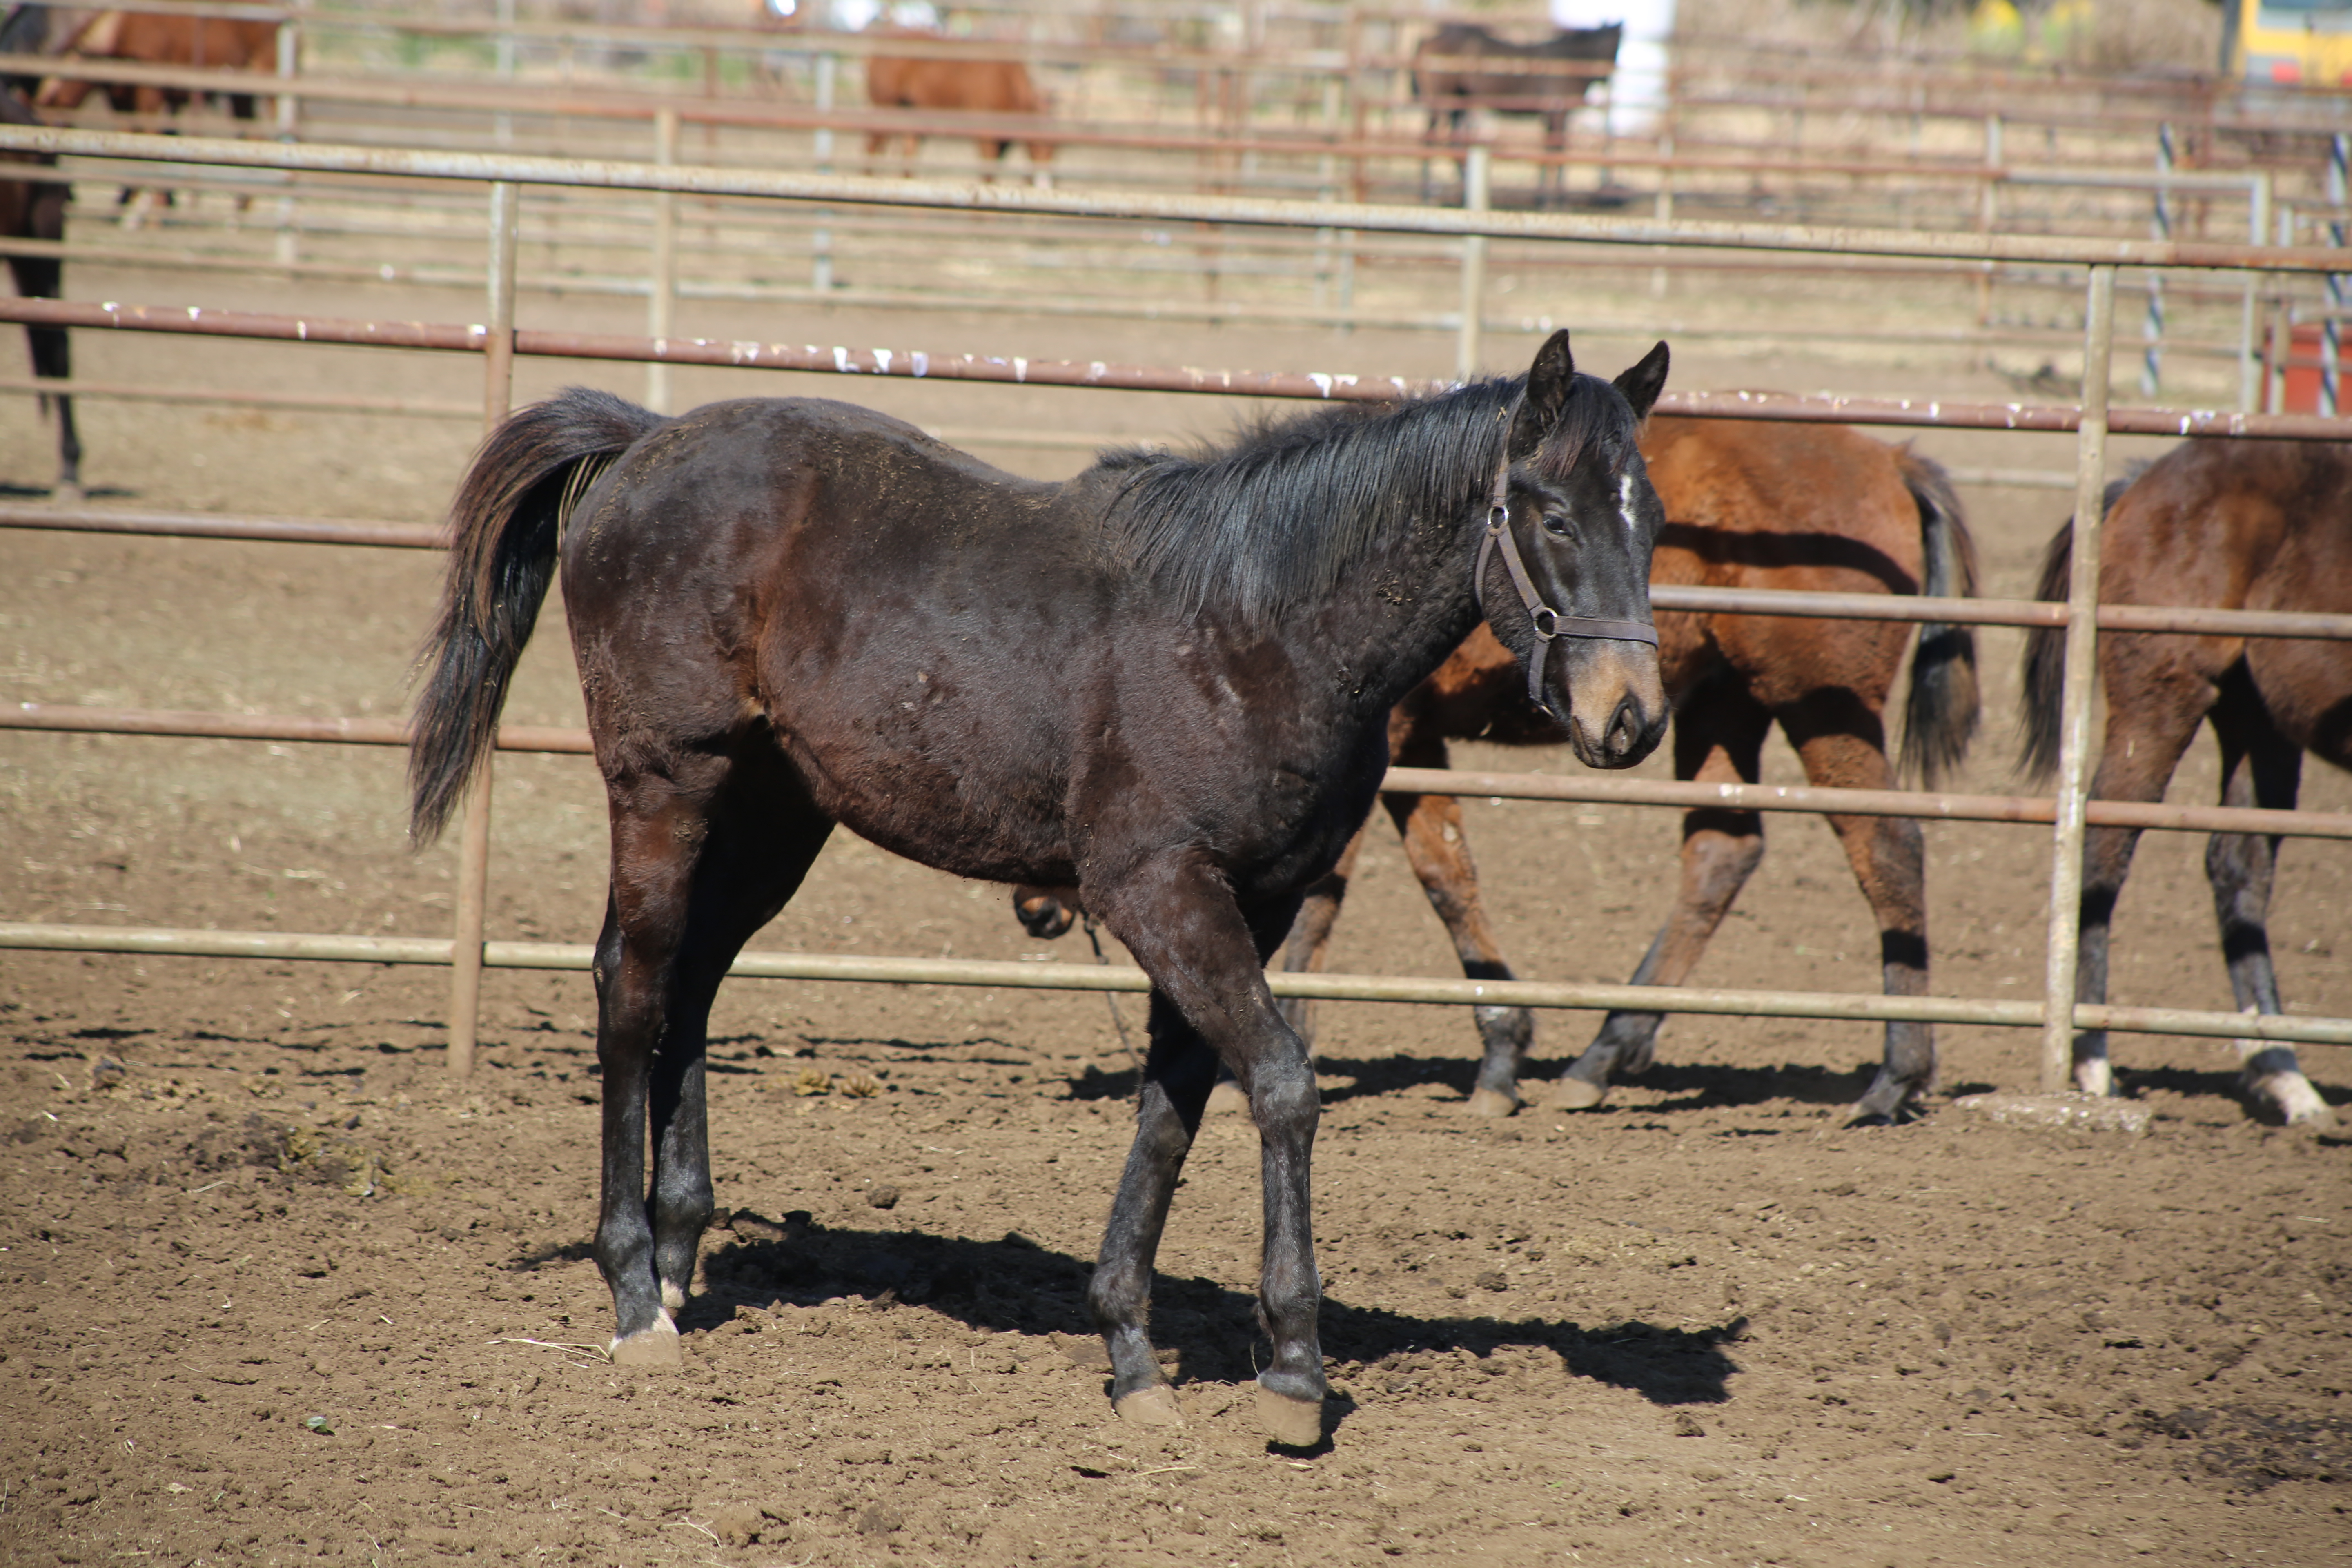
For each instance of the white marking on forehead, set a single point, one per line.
(1625, 500)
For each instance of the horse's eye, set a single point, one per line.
(1555, 525)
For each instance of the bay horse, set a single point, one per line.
(1450, 92)
(1748, 505)
(152, 37)
(960, 86)
(2242, 525)
(36, 209)
(790, 613)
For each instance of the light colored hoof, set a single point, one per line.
(1153, 1407)
(1492, 1102)
(1577, 1094)
(656, 1347)
(2290, 1094)
(1227, 1100)
(2095, 1077)
(1292, 1423)
(672, 1297)
(68, 495)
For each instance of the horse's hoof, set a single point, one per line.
(656, 1347)
(1577, 1094)
(1292, 1423)
(1492, 1102)
(2290, 1097)
(2095, 1077)
(1153, 1407)
(1227, 1100)
(68, 495)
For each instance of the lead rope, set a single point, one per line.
(1542, 619)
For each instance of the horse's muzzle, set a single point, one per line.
(1617, 708)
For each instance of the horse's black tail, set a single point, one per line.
(1940, 718)
(503, 530)
(2044, 686)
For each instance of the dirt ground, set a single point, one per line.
(287, 1292)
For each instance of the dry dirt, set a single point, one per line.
(283, 1291)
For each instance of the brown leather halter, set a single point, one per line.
(1545, 622)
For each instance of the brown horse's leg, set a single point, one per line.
(1718, 738)
(1309, 942)
(2260, 767)
(2153, 710)
(1210, 1003)
(1440, 852)
(701, 860)
(1842, 745)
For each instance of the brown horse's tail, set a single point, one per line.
(1940, 718)
(504, 527)
(2045, 652)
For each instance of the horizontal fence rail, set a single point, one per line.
(452, 337)
(1669, 596)
(860, 190)
(1055, 976)
(1595, 790)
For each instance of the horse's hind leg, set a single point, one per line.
(1718, 738)
(1310, 943)
(41, 278)
(1842, 745)
(2260, 767)
(701, 859)
(2153, 710)
(1438, 848)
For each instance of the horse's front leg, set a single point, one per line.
(1205, 961)
(1177, 1075)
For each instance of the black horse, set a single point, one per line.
(1451, 92)
(790, 613)
(36, 209)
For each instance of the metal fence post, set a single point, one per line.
(661, 284)
(2151, 365)
(828, 68)
(2081, 681)
(503, 125)
(1475, 166)
(474, 830)
(2249, 357)
(289, 108)
(2338, 284)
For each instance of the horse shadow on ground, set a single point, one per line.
(1692, 1086)
(1015, 1285)
(2221, 1088)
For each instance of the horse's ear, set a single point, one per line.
(1643, 383)
(1548, 380)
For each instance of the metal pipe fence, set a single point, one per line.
(2058, 1015)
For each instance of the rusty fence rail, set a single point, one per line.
(743, 354)
(2057, 1014)
(1931, 805)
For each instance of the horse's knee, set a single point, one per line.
(1283, 1100)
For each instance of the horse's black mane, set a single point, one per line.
(1276, 516)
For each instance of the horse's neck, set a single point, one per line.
(1393, 618)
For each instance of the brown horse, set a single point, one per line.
(789, 613)
(1748, 506)
(2241, 525)
(1450, 92)
(152, 38)
(960, 86)
(36, 209)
